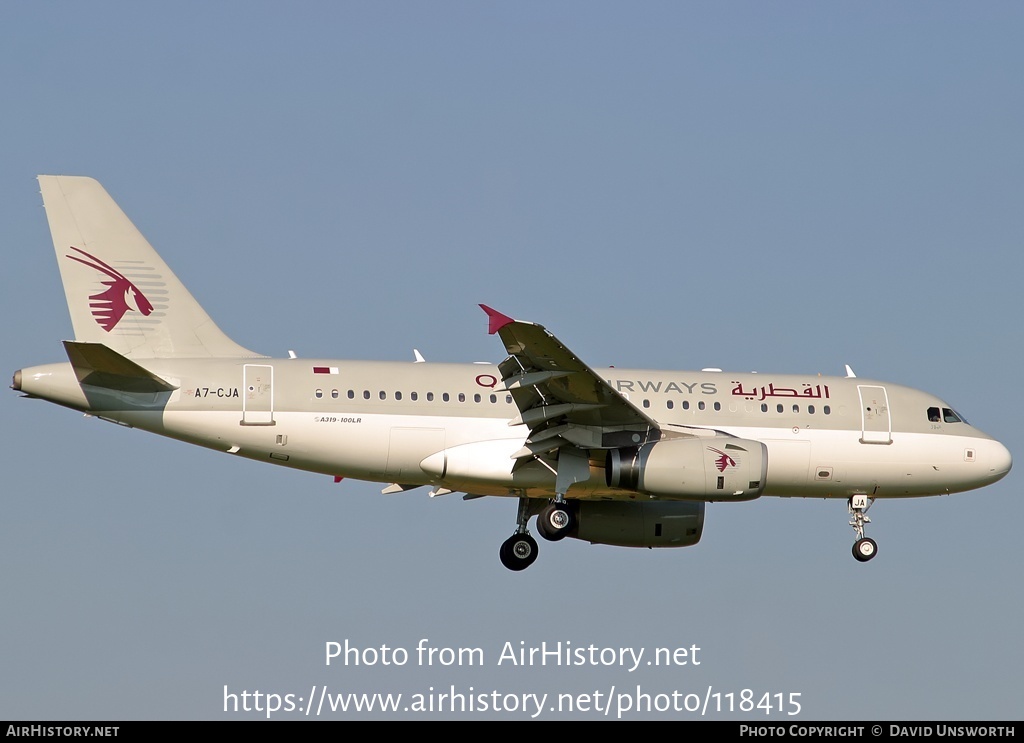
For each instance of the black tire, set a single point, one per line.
(555, 521)
(518, 552)
(864, 549)
(544, 530)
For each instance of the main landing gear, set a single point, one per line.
(519, 551)
(554, 521)
(864, 548)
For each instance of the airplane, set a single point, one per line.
(625, 457)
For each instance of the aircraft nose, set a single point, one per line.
(999, 460)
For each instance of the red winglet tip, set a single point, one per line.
(338, 478)
(495, 320)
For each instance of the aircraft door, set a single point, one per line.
(876, 420)
(257, 395)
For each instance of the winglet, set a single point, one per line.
(495, 320)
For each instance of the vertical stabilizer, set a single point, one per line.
(119, 291)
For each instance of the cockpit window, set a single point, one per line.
(949, 416)
(944, 415)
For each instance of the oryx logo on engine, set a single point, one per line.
(724, 461)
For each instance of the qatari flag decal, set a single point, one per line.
(325, 370)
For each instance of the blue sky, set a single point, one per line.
(783, 187)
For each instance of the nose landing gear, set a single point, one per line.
(864, 548)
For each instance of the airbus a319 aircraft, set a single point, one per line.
(624, 457)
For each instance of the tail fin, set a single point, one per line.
(120, 293)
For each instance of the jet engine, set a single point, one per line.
(707, 469)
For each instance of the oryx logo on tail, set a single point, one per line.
(121, 295)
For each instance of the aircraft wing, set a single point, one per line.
(561, 399)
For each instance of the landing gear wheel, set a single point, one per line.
(518, 552)
(555, 522)
(864, 549)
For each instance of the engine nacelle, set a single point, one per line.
(708, 469)
(646, 524)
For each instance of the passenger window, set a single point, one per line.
(476, 397)
(446, 397)
(779, 407)
(668, 404)
(810, 409)
(462, 397)
(398, 395)
(383, 395)
(686, 404)
(414, 396)
(366, 394)
(351, 394)
(494, 398)
(319, 394)
(764, 407)
(430, 397)
(334, 394)
(647, 403)
(718, 406)
(700, 405)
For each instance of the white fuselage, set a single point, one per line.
(447, 425)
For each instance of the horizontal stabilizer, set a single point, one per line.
(99, 366)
